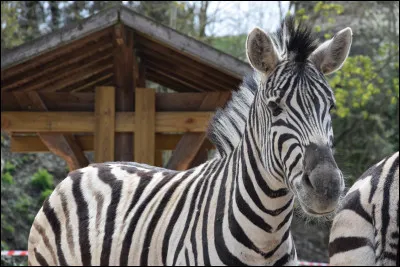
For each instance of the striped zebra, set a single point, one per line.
(274, 142)
(365, 231)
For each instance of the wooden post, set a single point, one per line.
(124, 80)
(104, 124)
(145, 125)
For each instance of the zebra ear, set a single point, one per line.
(330, 56)
(261, 51)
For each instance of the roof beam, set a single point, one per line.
(84, 122)
(33, 144)
(57, 67)
(66, 77)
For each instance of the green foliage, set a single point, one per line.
(10, 29)
(43, 180)
(7, 178)
(9, 167)
(22, 206)
(354, 85)
(45, 194)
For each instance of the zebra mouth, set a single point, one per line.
(313, 212)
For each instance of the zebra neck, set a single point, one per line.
(256, 190)
(256, 218)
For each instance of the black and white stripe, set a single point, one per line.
(235, 209)
(366, 229)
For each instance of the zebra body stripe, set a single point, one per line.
(366, 229)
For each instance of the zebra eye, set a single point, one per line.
(276, 110)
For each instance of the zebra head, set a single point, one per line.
(292, 105)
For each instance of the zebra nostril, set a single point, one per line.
(307, 180)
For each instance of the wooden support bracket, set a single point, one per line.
(63, 145)
(190, 144)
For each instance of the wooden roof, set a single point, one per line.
(65, 66)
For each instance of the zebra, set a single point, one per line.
(274, 141)
(365, 231)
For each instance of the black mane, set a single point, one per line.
(296, 42)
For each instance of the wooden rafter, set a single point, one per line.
(62, 145)
(66, 50)
(202, 76)
(148, 47)
(57, 67)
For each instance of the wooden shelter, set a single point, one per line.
(83, 88)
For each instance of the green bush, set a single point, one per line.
(45, 194)
(43, 180)
(22, 206)
(7, 178)
(9, 167)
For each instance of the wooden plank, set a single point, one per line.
(190, 144)
(104, 124)
(185, 45)
(62, 41)
(186, 101)
(33, 144)
(55, 67)
(63, 145)
(124, 82)
(199, 77)
(62, 101)
(164, 81)
(164, 71)
(81, 68)
(84, 122)
(84, 101)
(145, 125)
(91, 84)
(148, 47)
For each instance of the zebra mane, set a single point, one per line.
(295, 43)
